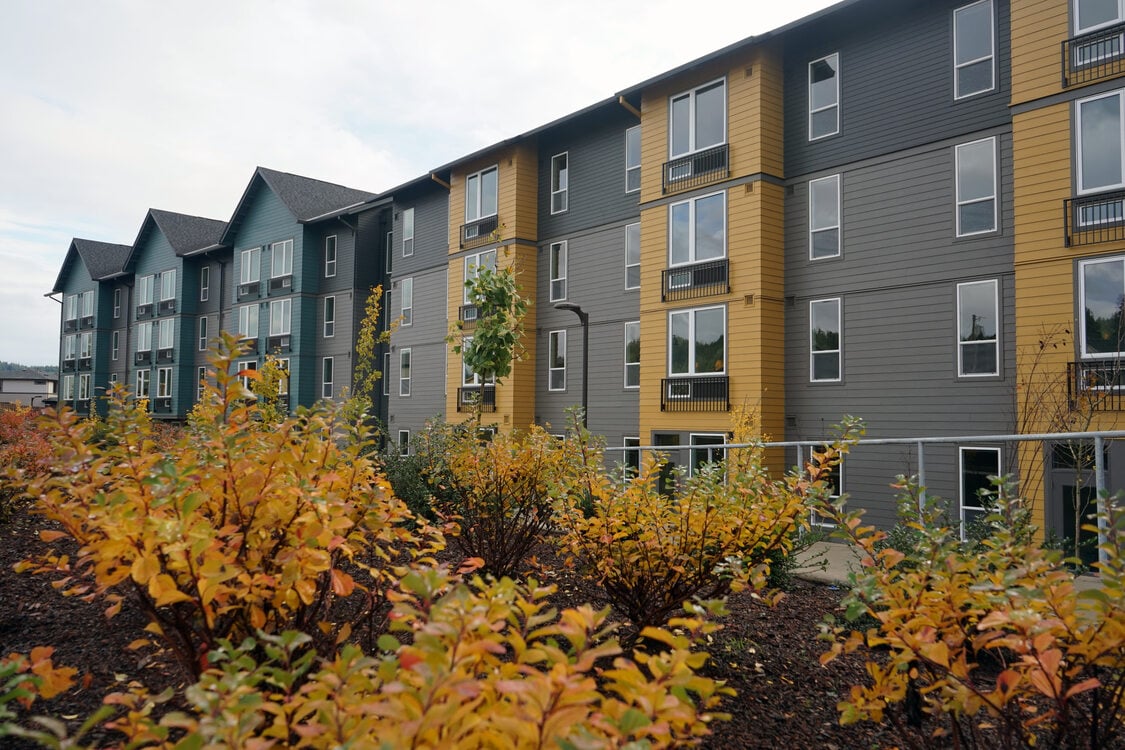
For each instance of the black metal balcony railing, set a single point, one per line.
(162, 405)
(164, 355)
(281, 283)
(468, 315)
(1098, 385)
(1091, 57)
(469, 396)
(70, 325)
(248, 290)
(70, 364)
(698, 280)
(144, 311)
(706, 393)
(479, 232)
(85, 363)
(248, 345)
(143, 358)
(278, 344)
(1094, 218)
(86, 322)
(694, 170)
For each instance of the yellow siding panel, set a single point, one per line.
(1038, 30)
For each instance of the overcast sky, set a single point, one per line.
(111, 107)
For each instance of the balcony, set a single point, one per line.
(85, 363)
(1094, 218)
(479, 232)
(1097, 385)
(248, 346)
(143, 358)
(166, 307)
(144, 311)
(468, 315)
(282, 284)
(278, 344)
(469, 396)
(248, 290)
(164, 356)
(86, 322)
(1094, 56)
(70, 364)
(696, 170)
(699, 280)
(70, 325)
(708, 393)
(162, 405)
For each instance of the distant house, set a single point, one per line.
(27, 387)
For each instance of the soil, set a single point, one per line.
(769, 655)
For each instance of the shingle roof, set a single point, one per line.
(102, 259)
(187, 233)
(27, 374)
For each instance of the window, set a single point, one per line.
(480, 195)
(164, 382)
(68, 387)
(329, 317)
(633, 256)
(978, 342)
(633, 354)
(167, 285)
(824, 96)
(200, 382)
(117, 303)
(243, 367)
(85, 345)
(144, 337)
(404, 442)
(697, 341)
(203, 334)
(86, 300)
(559, 182)
(556, 361)
(558, 271)
(281, 259)
(250, 265)
(248, 321)
(144, 290)
(706, 449)
(698, 119)
(1095, 14)
(834, 478)
(72, 307)
(824, 218)
(407, 232)
(142, 383)
(165, 333)
(470, 379)
(387, 308)
(1102, 287)
(386, 373)
(977, 465)
(824, 340)
(473, 266)
(976, 187)
(631, 459)
(84, 387)
(204, 283)
(973, 41)
(115, 345)
(281, 312)
(406, 292)
(329, 256)
(1101, 151)
(388, 253)
(404, 372)
(283, 377)
(113, 378)
(326, 378)
(633, 159)
(697, 230)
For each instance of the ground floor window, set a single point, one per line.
(977, 466)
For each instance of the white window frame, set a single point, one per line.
(1082, 266)
(473, 264)
(86, 304)
(556, 349)
(249, 326)
(839, 351)
(406, 300)
(145, 286)
(168, 285)
(248, 364)
(708, 448)
(692, 249)
(250, 265)
(71, 307)
(835, 58)
(1079, 29)
(962, 343)
(117, 303)
(204, 283)
(85, 345)
(831, 180)
(631, 457)
(283, 377)
(68, 388)
(284, 251)
(70, 347)
(633, 230)
(633, 325)
(143, 380)
(560, 183)
(113, 378)
(692, 313)
(281, 316)
(475, 212)
(404, 372)
(632, 168)
(959, 149)
(203, 337)
(837, 473)
(404, 442)
(84, 386)
(164, 382)
(329, 316)
(386, 373)
(692, 138)
(964, 504)
(991, 56)
(327, 374)
(200, 382)
(330, 249)
(115, 345)
(144, 337)
(407, 232)
(470, 379)
(166, 334)
(557, 270)
(390, 251)
(1079, 172)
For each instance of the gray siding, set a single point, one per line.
(425, 337)
(431, 230)
(896, 82)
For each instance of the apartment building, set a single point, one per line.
(861, 212)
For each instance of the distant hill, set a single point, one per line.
(47, 369)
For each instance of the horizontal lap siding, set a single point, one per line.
(1039, 28)
(425, 338)
(431, 220)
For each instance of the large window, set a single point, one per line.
(558, 271)
(166, 332)
(556, 361)
(144, 290)
(203, 333)
(480, 194)
(824, 217)
(406, 294)
(329, 256)
(473, 266)
(973, 49)
(283, 377)
(698, 119)
(1090, 15)
(633, 159)
(633, 354)
(71, 305)
(281, 259)
(824, 96)
(560, 182)
(244, 367)
(633, 256)
(248, 321)
(825, 329)
(68, 388)
(404, 442)
(977, 465)
(386, 374)
(706, 449)
(978, 341)
(407, 232)
(250, 265)
(697, 341)
(144, 337)
(1102, 289)
(404, 372)
(1101, 149)
(329, 317)
(167, 285)
(471, 379)
(697, 229)
(631, 459)
(86, 345)
(87, 304)
(117, 303)
(204, 283)
(281, 313)
(84, 387)
(976, 187)
(115, 345)
(70, 344)
(164, 382)
(142, 383)
(326, 374)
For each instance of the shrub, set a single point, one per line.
(24, 455)
(990, 645)
(236, 529)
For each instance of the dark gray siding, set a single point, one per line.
(595, 146)
(431, 230)
(425, 337)
(896, 82)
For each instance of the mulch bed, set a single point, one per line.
(785, 699)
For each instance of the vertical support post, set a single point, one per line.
(1099, 482)
(921, 475)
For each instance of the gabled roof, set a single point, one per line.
(103, 260)
(26, 374)
(184, 233)
(305, 197)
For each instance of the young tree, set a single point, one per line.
(366, 374)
